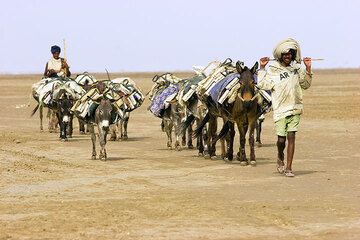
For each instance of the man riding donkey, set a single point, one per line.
(55, 69)
(56, 66)
(286, 79)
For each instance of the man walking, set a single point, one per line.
(286, 79)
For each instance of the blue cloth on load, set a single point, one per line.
(217, 90)
(158, 104)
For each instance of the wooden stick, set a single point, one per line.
(312, 59)
(64, 48)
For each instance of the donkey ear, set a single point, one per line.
(254, 68)
(239, 66)
(155, 78)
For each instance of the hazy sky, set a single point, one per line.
(160, 35)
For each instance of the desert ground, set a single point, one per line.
(53, 190)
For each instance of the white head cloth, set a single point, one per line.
(284, 46)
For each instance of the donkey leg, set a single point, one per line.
(183, 139)
(93, 140)
(61, 136)
(230, 143)
(200, 140)
(102, 139)
(113, 132)
(52, 123)
(205, 136)
(70, 126)
(212, 131)
(189, 141)
(241, 156)
(177, 143)
(125, 125)
(200, 145)
(81, 127)
(41, 117)
(168, 129)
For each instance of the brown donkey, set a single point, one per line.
(243, 111)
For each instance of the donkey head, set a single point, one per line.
(247, 84)
(65, 104)
(103, 114)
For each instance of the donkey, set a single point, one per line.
(243, 112)
(213, 113)
(86, 81)
(103, 119)
(65, 117)
(122, 125)
(171, 112)
(51, 115)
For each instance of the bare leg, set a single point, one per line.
(252, 143)
(259, 122)
(290, 150)
(280, 159)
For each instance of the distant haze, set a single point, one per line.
(160, 35)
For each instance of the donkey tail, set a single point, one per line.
(224, 130)
(185, 125)
(34, 111)
(199, 129)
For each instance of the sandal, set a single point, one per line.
(280, 166)
(289, 173)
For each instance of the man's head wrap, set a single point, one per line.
(285, 46)
(55, 49)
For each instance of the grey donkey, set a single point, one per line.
(102, 121)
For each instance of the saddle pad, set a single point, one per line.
(219, 88)
(159, 102)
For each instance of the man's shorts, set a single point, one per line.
(287, 124)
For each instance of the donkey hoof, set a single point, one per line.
(214, 157)
(124, 138)
(93, 157)
(243, 163)
(190, 147)
(178, 148)
(258, 143)
(64, 139)
(70, 136)
(112, 138)
(102, 157)
(82, 132)
(253, 163)
(200, 154)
